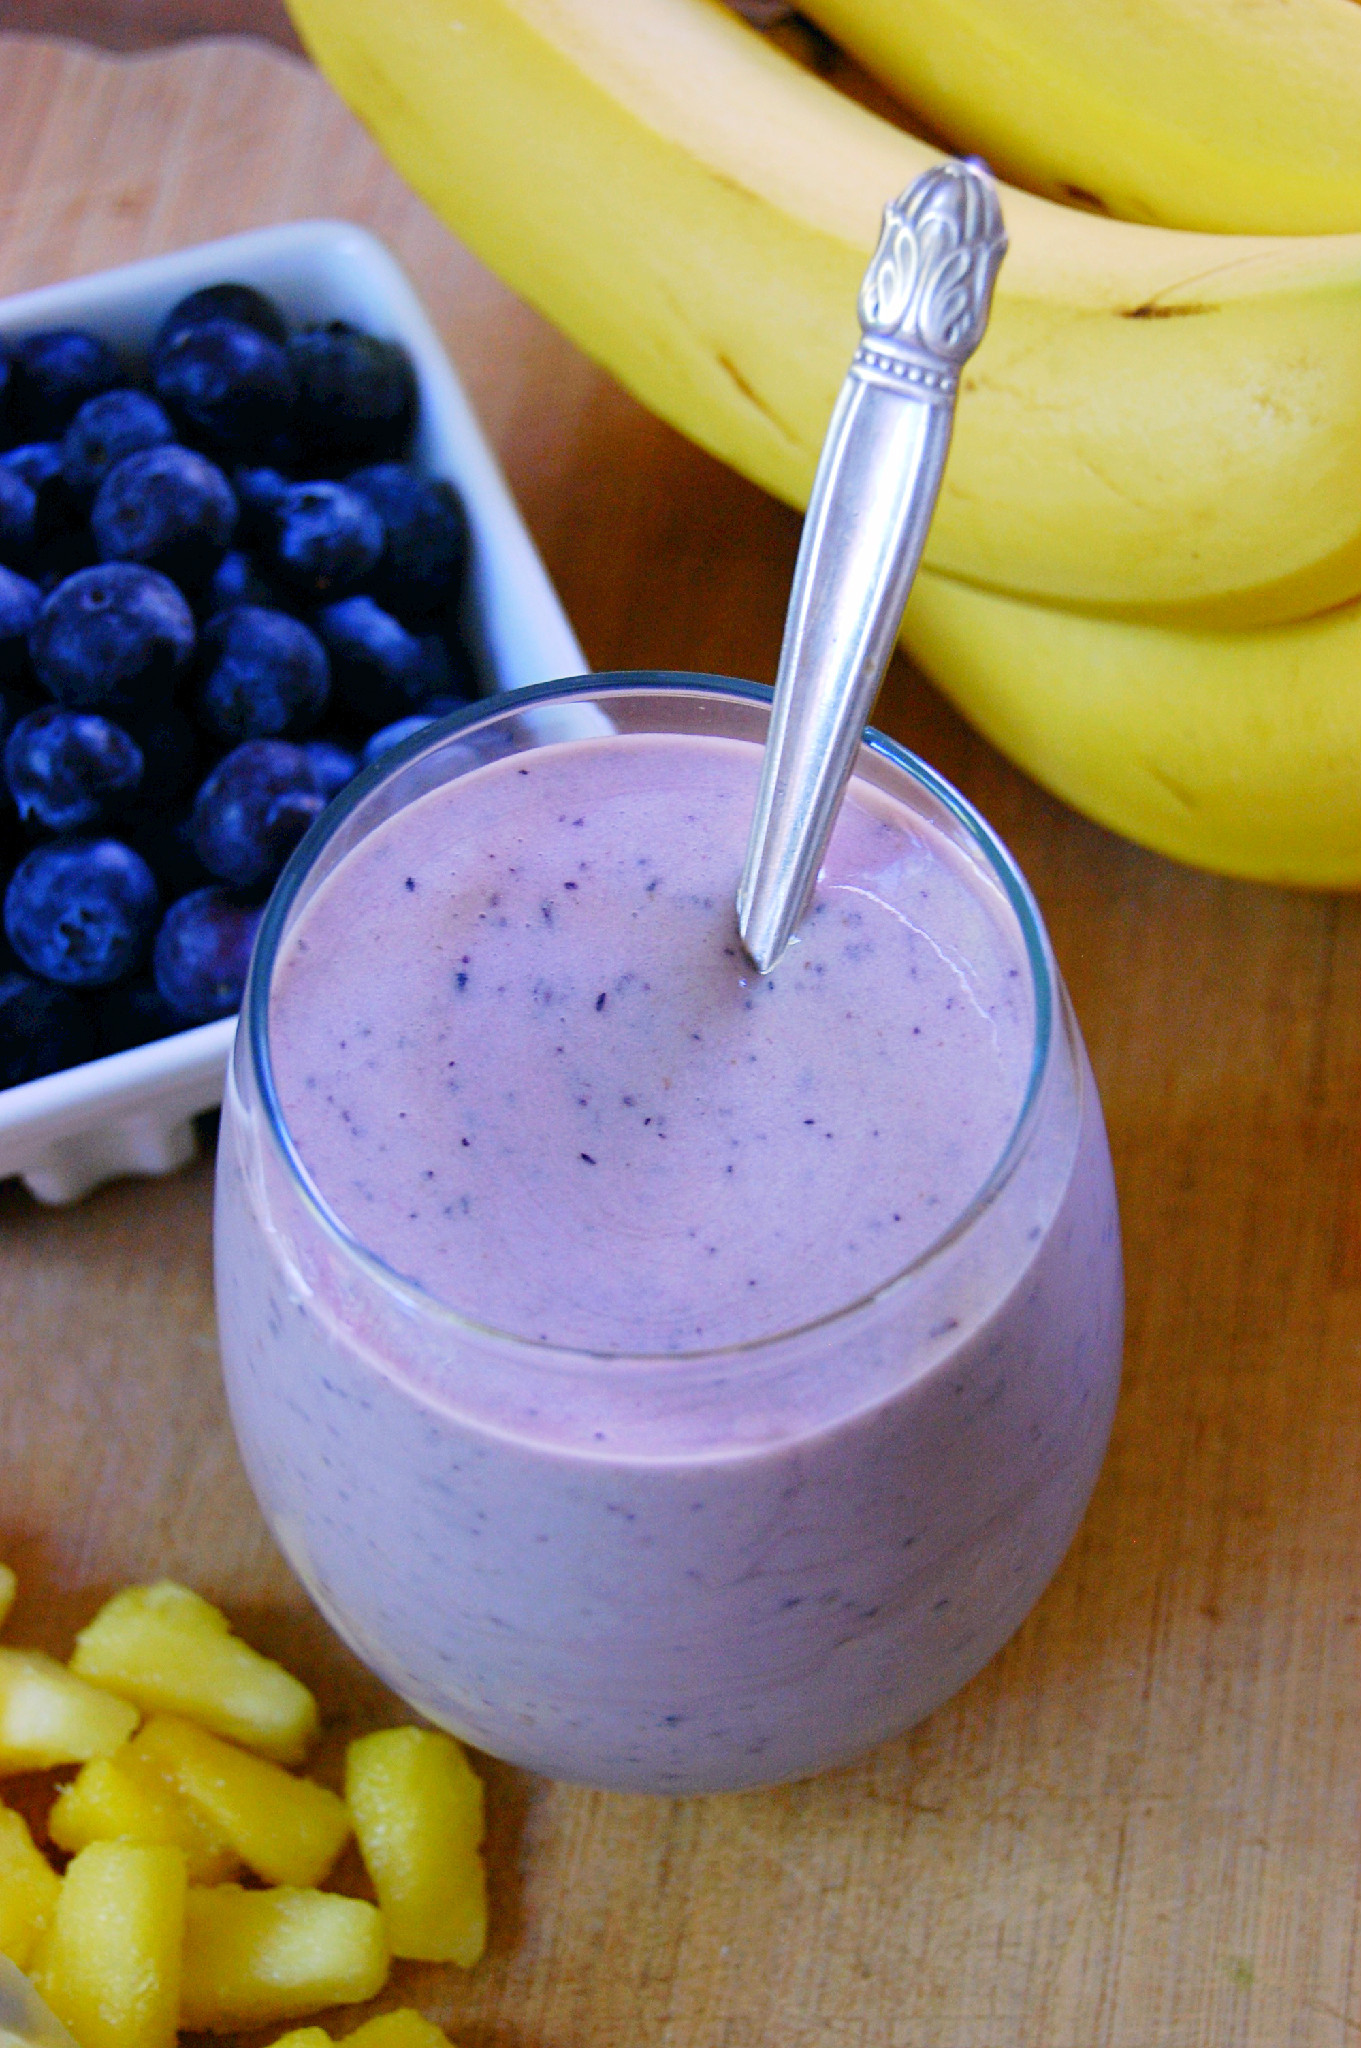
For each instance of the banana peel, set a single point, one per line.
(1234, 751)
(1239, 119)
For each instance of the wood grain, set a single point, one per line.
(1141, 1826)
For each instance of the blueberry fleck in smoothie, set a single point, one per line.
(617, 1338)
(578, 1114)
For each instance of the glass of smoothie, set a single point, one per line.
(667, 1260)
(664, 1375)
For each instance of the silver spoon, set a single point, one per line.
(923, 308)
(23, 2015)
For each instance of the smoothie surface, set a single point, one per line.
(525, 1060)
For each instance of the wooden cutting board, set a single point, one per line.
(1140, 1827)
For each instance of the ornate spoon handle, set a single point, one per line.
(923, 307)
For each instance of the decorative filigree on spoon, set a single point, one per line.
(923, 307)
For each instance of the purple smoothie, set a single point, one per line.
(687, 1420)
(578, 1113)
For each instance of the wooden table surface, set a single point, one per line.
(1140, 1827)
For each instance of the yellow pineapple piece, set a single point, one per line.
(118, 1798)
(404, 2028)
(417, 1809)
(171, 1651)
(9, 1586)
(254, 1957)
(110, 1965)
(28, 1889)
(48, 1717)
(286, 1829)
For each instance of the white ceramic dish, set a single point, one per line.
(133, 1112)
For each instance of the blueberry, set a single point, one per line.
(356, 394)
(238, 302)
(39, 465)
(332, 766)
(260, 491)
(18, 518)
(167, 507)
(132, 1014)
(42, 1029)
(237, 579)
(64, 769)
(264, 675)
(107, 428)
(113, 636)
(81, 912)
(55, 371)
(426, 530)
(202, 953)
(6, 374)
(252, 811)
(34, 462)
(380, 670)
(19, 602)
(389, 736)
(326, 539)
(445, 704)
(228, 388)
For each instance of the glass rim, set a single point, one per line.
(636, 682)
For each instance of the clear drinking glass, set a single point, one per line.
(690, 1572)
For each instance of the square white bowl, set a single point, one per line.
(132, 1112)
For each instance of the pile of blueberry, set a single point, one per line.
(223, 590)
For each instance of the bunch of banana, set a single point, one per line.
(1160, 439)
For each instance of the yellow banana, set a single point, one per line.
(1158, 422)
(1237, 751)
(1217, 114)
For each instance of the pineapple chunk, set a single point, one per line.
(110, 1965)
(404, 2028)
(417, 1808)
(118, 1798)
(49, 1717)
(28, 1889)
(171, 1651)
(254, 1957)
(9, 1586)
(286, 1829)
